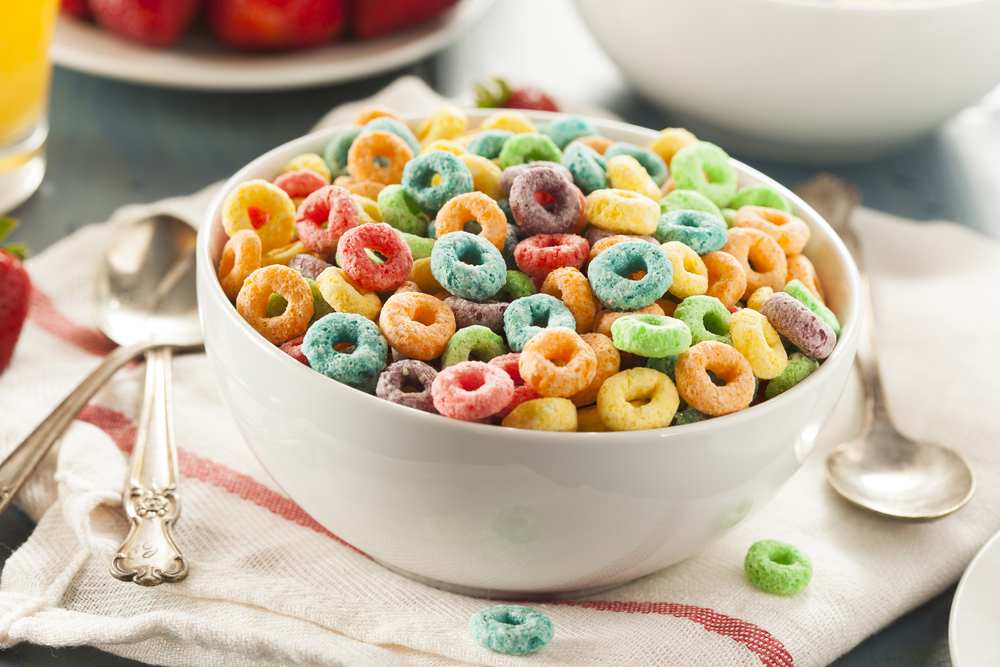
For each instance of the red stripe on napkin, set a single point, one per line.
(122, 431)
(43, 313)
(759, 641)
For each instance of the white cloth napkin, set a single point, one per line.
(270, 586)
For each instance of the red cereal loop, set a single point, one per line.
(522, 392)
(472, 390)
(324, 217)
(540, 255)
(293, 348)
(383, 239)
(300, 183)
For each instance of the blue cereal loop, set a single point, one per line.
(488, 144)
(401, 130)
(565, 130)
(468, 266)
(653, 163)
(359, 367)
(589, 168)
(528, 315)
(335, 153)
(609, 271)
(511, 629)
(701, 231)
(418, 176)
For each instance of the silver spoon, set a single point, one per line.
(145, 300)
(882, 470)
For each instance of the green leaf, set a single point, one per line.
(6, 224)
(19, 250)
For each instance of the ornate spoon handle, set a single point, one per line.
(149, 556)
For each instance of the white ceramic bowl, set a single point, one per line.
(811, 80)
(503, 512)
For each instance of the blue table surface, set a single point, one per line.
(115, 143)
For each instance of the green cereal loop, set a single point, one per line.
(335, 152)
(419, 246)
(760, 195)
(691, 164)
(706, 317)
(276, 305)
(777, 567)
(517, 285)
(475, 343)
(689, 200)
(688, 416)
(401, 212)
(320, 305)
(511, 629)
(729, 215)
(653, 336)
(804, 296)
(663, 364)
(798, 369)
(528, 147)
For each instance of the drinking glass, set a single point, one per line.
(25, 70)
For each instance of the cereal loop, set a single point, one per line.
(324, 217)
(757, 340)
(802, 327)
(473, 206)
(572, 288)
(251, 303)
(690, 274)
(485, 175)
(540, 255)
(378, 156)
(696, 387)
(522, 392)
(384, 240)
(449, 145)
(240, 258)
(412, 375)
(791, 233)
(595, 142)
(447, 122)
(511, 629)
(543, 414)
(417, 325)
(777, 567)
(757, 299)
(614, 400)
(727, 281)
(651, 335)
(263, 208)
(301, 183)
(283, 255)
(671, 140)
(557, 362)
(609, 272)
(605, 319)
(509, 121)
(531, 215)
(346, 296)
(374, 111)
(471, 390)
(475, 343)
(761, 257)
(528, 316)
(707, 318)
(468, 266)
(625, 173)
(360, 364)
(622, 211)
(309, 161)
(705, 167)
(608, 363)
(801, 269)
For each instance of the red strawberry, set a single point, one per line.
(276, 24)
(519, 98)
(377, 17)
(76, 8)
(153, 22)
(14, 288)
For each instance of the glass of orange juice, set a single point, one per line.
(25, 32)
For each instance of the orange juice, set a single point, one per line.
(25, 30)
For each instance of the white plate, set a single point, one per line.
(200, 62)
(974, 627)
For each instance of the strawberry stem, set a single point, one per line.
(19, 250)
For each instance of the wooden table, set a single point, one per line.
(114, 143)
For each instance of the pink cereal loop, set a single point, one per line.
(472, 390)
(301, 182)
(324, 217)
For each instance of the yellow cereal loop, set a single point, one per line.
(543, 414)
(757, 340)
(485, 175)
(622, 211)
(346, 296)
(422, 276)
(447, 122)
(450, 145)
(690, 273)
(308, 161)
(625, 173)
(589, 420)
(758, 298)
(511, 121)
(369, 209)
(671, 140)
(284, 254)
(637, 384)
(263, 208)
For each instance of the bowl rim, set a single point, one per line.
(850, 331)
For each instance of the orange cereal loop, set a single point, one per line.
(368, 189)
(407, 286)
(447, 122)
(800, 268)
(308, 161)
(605, 318)
(671, 140)
(572, 288)
(667, 306)
(417, 325)
(597, 142)
(343, 181)
(757, 299)
(262, 208)
(240, 258)
(485, 175)
(346, 296)
(374, 111)
(473, 206)
(378, 156)
(791, 233)
(697, 388)
(557, 362)
(512, 121)
(608, 363)
(761, 257)
(450, 145)
(636, 399)
(251, 303)
(284, 254)
(727, 281)
(690, 273)
(422, 276)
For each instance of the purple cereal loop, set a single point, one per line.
(408, 373)
(804, 328)
(487, 313)
(511, 173)
(595, 234)
(308, 266)
(531, 216)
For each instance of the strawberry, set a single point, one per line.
(372, 18)
(153, 22)
(77, 8)
(520, 98)
(276, 24)
(14, 288)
